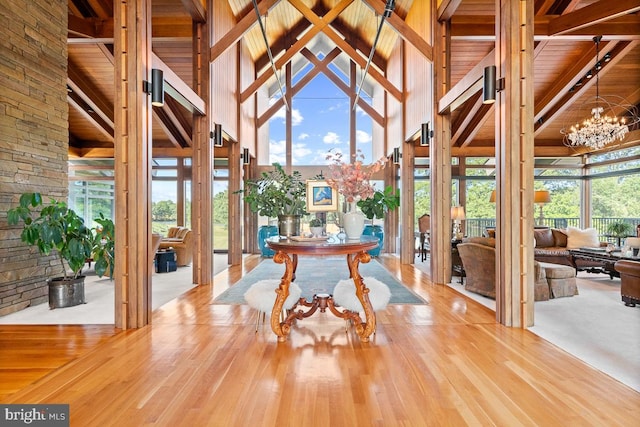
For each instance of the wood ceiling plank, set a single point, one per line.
(196, 10)
(568, 78)
(240, 29)
(594, 13)
(565, 101)
(460, 92)
(404, 31)
(80, 84)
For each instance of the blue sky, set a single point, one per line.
(320, 122)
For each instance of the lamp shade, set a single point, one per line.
(541, 196)
(492, 198)
(457, 213)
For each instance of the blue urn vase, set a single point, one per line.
(264, 232)
(377, 231)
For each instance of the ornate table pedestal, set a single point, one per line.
(287, 252)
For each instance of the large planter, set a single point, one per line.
(289, 225)
(264, 232)
(353, 222)
(66, 293)
(376, 231)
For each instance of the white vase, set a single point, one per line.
(353, 222)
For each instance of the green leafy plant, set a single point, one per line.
(104, 246)
(276, 193)
(619, 229)
(54, 229)
(315, 222)
(380, 203)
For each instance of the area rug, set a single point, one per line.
(318, 275)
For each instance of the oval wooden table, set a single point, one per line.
(287, 251)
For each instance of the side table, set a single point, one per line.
(456, 262)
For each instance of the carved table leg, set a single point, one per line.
(282, 329)
(364, 330)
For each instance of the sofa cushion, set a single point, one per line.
(559, 237)
(544, 237)
(487, 241)
(577, 238)
(182, 232)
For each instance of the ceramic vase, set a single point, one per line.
(353, 222)
(264, 232)
(376, 231)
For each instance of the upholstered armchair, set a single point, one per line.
(181, 240)
(478, 255)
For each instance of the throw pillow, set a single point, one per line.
(559, 237)
(577, 238)
(544, 237)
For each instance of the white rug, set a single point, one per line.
(100, 301)
(594, 326)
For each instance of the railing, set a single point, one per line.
(478, 226)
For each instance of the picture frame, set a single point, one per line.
(321, 197)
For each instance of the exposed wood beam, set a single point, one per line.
(196, 10)
(108, 153)
(94, 119)
(282, 44)
(359, 44)
(377, 117)
(240, 29)
(296, 47)
(175, 87)
(594, 13)
(177, 131)
(102, 8)
(323, 23)
(407, 33)
(467, 86)
(564, 102)
(447, 8)
(568, 78)
(482, 28)
(79, 83)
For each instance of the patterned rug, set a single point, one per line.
(318, 275)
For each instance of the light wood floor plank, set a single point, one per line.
(446, 363)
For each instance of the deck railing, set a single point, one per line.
(477, 226)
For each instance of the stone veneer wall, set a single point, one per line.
(33, 136)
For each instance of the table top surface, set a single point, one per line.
(330, 245)
(602, 253)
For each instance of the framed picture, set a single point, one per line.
(321, 197)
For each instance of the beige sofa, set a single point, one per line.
(181, 240)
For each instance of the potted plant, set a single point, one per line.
(316, 227)
(619, 230)
(104, 246)
(56, 229)
(377, 206)
(277, 194)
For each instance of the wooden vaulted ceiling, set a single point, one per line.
(564, 53)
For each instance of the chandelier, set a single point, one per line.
(603, 127)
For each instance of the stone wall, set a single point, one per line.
(33, 136)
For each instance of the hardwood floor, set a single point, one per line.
(446, 363)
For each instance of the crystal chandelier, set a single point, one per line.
(600, 129)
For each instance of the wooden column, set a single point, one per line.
(132, 52)
(440, 162)
(202, 162)
(514, 163)
(234, 256)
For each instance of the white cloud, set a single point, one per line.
(277, 152)
(303, 136)
(296, 116)
(362, 137)
(331, 138)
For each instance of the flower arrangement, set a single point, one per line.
(352, 180)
